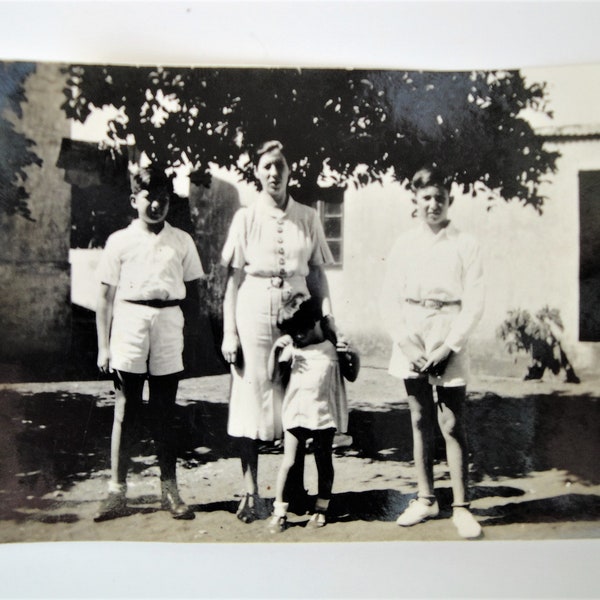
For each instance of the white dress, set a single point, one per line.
(275, 248)
(315, 397)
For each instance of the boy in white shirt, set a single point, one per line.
(432, 298)
(144, 271)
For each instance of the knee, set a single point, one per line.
(449, 425)
(419, 418)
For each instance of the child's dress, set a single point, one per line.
(315, 397)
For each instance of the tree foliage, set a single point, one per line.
(354, 125)
(16, 152)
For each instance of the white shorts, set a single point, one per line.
(146, 339)
(428, 329)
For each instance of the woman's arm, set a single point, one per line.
(231, 342)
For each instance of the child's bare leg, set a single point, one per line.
(128, 407)
(420, 403)
(451, 421)
(292, 446)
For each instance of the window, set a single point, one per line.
(331, 211)
(589, 253)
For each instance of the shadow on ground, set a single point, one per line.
(508, 437)
(50, 441)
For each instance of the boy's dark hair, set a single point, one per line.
(264, 148)
(429, 175)
(151, 178)
(305, 317)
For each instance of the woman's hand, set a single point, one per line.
(230, 347)
(103, 361)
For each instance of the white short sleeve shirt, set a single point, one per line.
(148, 266)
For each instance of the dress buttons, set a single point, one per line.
(282, 272)
(281, 250)
(282, 261)
(280, 230)
(280, 240)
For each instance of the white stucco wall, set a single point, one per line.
(530, 260)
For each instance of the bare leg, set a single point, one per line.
(450, 417)
(126, 422)
(451, 420)
(290, 450)
(420, 402)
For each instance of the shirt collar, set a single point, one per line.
(275, 211)
(447, 232)
(136, 225)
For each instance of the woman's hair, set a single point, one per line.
(427, 176)
(304, 318)
(150, 178)
(265, 148)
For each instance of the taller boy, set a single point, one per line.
(143, 272)
(432, 298)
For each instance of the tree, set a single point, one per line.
(354, 125)
(15, 148)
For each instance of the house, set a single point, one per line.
(531, 260)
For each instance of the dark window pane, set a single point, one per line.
(336, 250)
(332, 209)
(589, 253)
(333, 228)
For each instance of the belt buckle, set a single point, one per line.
(276, 281)
(433, 304)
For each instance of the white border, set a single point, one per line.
(429, 35)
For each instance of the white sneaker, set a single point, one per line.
(416, 512)
(465, 522)
(316, 521)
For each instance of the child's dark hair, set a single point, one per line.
(153, 179)
(265, 148)
(304, 318)
(429, 175)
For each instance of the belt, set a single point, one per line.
(432, 303)
(156, 303)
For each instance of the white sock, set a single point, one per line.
(280, 508)
(117, 488)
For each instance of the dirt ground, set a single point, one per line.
(534, 466)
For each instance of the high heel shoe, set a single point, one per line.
(247, 510)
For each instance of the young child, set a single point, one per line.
(433, 297)
(144, 271)
(314, 405)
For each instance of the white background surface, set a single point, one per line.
(430, 35)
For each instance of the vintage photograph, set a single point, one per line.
(298, 305)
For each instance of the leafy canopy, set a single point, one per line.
(354, 126)
(16, 152)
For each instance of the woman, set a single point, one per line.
(276, 248)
